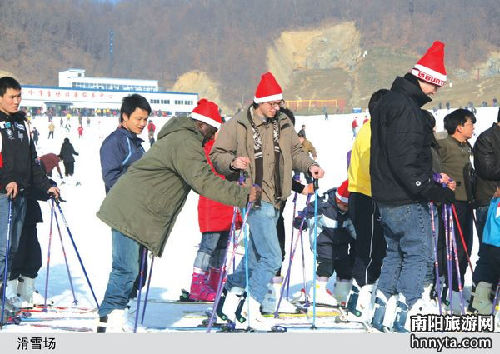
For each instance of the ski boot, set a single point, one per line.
(199, 290)
(323, 295)
(341, 291)
(481, 302)
(401, 317)
(379, 313)
(271, 299)
(228, 304)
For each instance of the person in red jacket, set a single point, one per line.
(49, 162)
(215, 221)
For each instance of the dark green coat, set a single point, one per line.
(144, 203)
(454, 156)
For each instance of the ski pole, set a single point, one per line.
(52, 213)
(462, 236)
(65, 259)
(9, 227)
(241, 180)
(448, 254)
(76, 251)
(297, 178)
(141, 277)
(457, 266)
(247, 272)
(227, 266)
(436, 263)
(147, 289)
(292, 254)
(315, 250)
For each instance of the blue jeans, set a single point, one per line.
(16, 227)
(264, 253)
(407, 231)
(124, 271)
(212, 250)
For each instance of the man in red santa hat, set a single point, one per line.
(402, 185)
(263, 145)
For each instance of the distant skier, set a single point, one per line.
(151, 132)
(66, 154)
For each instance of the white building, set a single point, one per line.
(78, 91)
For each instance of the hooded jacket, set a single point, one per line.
(144, 203)
(400, 153)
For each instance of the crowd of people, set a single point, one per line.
(387, 232)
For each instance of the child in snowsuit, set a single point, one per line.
(335, 251)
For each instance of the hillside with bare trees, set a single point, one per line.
(233, 42)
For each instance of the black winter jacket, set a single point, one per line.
(401, 158)
(18, 155)
(67, 152)
(487, 163)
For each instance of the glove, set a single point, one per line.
(298, 221)
(437, 193)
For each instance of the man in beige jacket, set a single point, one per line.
(263, 144)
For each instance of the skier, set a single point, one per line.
(50, 161)
(455, 154)
(215, 220)
(35, 134)
(144, 203)
(18, 172)
(263, 143)
(151, 132)
(122, 148)
(308, 148)
(80, 131)
(370, 243)
(354, 126)
(66, 155)
(487, 163)
(52, 127)
(335, 244)
(402, 184)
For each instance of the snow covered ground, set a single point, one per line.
(172, 272)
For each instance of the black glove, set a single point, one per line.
(298, 221)
(437, 193)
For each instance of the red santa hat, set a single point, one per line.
(430, 67)
(342, 193)
(268, 89)
(207, 112)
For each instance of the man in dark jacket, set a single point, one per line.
(18, 171)
(402, 183)
(143, 204)
(487, 163)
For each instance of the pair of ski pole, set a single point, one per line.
(53, 214)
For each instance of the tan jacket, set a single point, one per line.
(308, 147)
(235, 140)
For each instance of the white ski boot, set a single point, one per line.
(323, 295)
(272, 297)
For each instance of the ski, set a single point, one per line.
(57, 327)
